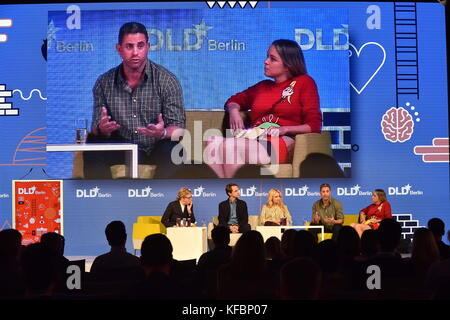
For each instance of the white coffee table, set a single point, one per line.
(131, 149)
(187, 242)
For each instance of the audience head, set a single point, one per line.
(424, 249)
(220, 236)
(40, 269)
(437, 227)
(389, 234)
(300, 279)
(348, 243)
(305, 243)
(249, 256)
(370, 243)
(116, 234)
(292, 56)
(325, 255)
(54, 241)
(288, 243)
(319, 165)
(273, 248)
(156, 252)
(10, 244)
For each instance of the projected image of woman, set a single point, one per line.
(279, 110)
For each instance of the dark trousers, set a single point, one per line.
(244, 228)
(97, 163)
(335, 230)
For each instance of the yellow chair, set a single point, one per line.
(146, 225)
(348, 220)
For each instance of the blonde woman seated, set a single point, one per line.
(275, 212)
(371, 216)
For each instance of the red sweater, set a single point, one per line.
(302, 106)
(379, 212)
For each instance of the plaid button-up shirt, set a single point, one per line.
(158, 92)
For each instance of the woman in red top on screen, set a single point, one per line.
(371, 216)
(279, 110)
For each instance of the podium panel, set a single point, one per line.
(187, 242)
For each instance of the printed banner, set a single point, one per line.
(37, 208)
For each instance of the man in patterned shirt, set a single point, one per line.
(138, 102)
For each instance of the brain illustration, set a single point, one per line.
(397, 125)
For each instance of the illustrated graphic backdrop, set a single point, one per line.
(399, 118)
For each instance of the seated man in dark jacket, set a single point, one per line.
(233, 212)
(181, 208)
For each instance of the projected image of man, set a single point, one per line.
(138, 102)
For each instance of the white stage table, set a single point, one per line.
(277, 231)
(131, 149)
(187, 242)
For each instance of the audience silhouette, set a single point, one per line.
(295, 268)
(211, 261)
(370, 244)
(117, 262)
(437, 227)
(55, 243)
(40, 267)
(11, 282)
(348, 246)
(156, 260)
(300, 280)
(273, 249)
(245, 276)
(424, 253)
(288, 244)
(305, 243)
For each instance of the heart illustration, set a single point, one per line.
(358, 52)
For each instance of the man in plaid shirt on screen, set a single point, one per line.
(138, 102)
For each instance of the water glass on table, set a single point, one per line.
(81, 131)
